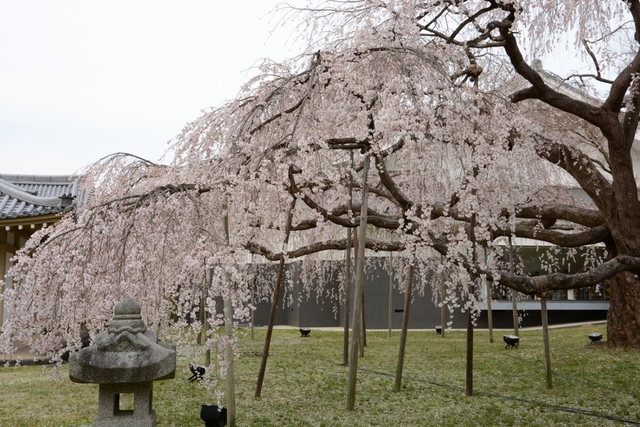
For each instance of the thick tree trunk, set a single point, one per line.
(623, 318)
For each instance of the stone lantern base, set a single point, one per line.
(110, 414)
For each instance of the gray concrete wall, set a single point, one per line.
(299, 308)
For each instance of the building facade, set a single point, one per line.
(27, 204)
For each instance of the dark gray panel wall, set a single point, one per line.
(299, 308)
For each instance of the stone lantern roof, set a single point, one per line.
(125, 353)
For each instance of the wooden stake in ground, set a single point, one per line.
(201, 315)
(357, 297)
(228, 329)
(348, 280)
(390, 321)
(230, 380)
(442, 298)
(545, 339)
(274, 304)
(469, 372)
(469, 376)
(489, 311)
(514, 294)
(405, 327)
(253, 295)
(360, 329)
(363, 324)
(205, 318)
(347, 301)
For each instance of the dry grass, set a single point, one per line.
(306, 386)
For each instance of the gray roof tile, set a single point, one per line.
(24, 196)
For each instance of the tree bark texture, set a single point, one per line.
(623, 318)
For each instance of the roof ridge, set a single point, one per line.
(39, 179)
(16, 192)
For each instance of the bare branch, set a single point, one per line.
(538, 285)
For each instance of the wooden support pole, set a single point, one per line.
(357, 312)
(514, 293)
(390, 311)
(228, 329)
(347, 301)
(488, 296)
(253, 296)
(274, 303)
(405, 327)
(205, 317)
(348, 280)
(469, 372)
(230, 380)
(363, 325)
(443, 293)
(545, 339)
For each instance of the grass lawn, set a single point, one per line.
(305, 385)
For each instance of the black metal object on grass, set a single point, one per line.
(213, 416)
(438, 329)
(304, 332)
(197, 372)
(511, 340)
(595, 337)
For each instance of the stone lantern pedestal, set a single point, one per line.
(125, 360)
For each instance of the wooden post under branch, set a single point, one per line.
(363, 324)
(357, 295)
(254, 267)
(489, 310)
(228, 329)
(469, 371)
(347, 301)
(230, 380)
(205, 318)
(514, 293)
(253, 302)
(274, 303)
(348, 280)
(443, 295)
(390, 320)
(405, 326)
(545, 339)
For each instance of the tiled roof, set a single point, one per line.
(24, 196)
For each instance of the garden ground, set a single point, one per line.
(306, 384)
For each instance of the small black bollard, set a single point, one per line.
(595, 337)
(438, 329)
(512, 341)
(213, 417)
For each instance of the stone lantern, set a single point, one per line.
(125, 359)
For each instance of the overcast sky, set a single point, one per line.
(82, 79)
